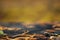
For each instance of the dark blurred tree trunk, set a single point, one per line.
(50, 8)
(50, 5)
(2, 14)
(57, 10)
(0, 6)
(54, 9)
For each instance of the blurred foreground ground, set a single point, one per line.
(19, 31)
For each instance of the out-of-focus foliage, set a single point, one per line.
(30, 11)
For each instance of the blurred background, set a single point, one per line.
(29, 10)
(29, 17)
